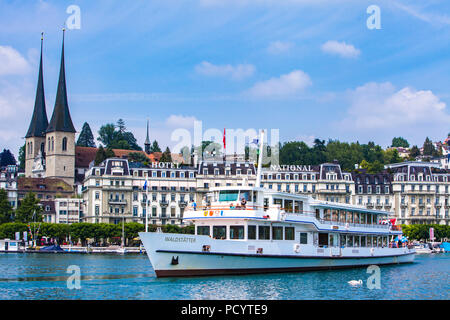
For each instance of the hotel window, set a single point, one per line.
(279, 187)
(378, 189)
(249, 171)
(172, 174)
(154, 213)
(97, 210)
(369, 189)
(154, 174)
(287, 188)
(295, 176)
(386, 189)
(163, 174)
(97, 195)
(97, 183)
(278, 176)
(359, 200)
(172, 197)
(216, 172)
(238, 171)
(205, 172)
(182, 174)
(286, 177)
(172, 212)
(135, 211)
(296, 188)
(191, 175)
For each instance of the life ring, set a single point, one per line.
(372, 250)
(347, 225)
(296, 247)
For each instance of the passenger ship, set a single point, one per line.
(247, 230)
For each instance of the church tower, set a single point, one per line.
(60, 134)
(147, 142)
(35, 137)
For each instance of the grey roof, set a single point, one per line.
(61, 120)
(39, 121)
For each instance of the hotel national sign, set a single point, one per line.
(276, 167)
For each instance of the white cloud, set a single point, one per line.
(237, 72)
(285, 85)
(12, 62)
(180, 121)
(341, 49)
(381, 106)
(278, 47)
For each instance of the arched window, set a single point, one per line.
(48, 144)
(64, 144)
(53, 144)
(42, 147)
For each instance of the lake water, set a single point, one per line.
(43, 276)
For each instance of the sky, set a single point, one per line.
(308, 68)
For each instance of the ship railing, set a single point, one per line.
(357, 225)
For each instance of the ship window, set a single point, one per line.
(323, 239)
(251, 230)
(303, 238)
(277, 233)
(236, 232)
(228, 195)
(363, 241)
(202, 230)
(289, 233)
(220, 232)
(263, 233)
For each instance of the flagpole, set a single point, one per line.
(258, 174)
(146, 203)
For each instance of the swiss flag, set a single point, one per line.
(224, 145)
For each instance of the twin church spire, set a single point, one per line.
(60, 120)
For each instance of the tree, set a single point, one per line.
(6, 158)
(6, 210)
(29, 206)
(22, 157)
(166, 156)
(103, 154)
(137, 157)
(400, 142)
(86, 138)
(428, 147)
(117, 139)
(392, 156)
(414, 152)
(155, 147)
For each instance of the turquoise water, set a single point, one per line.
(43, 276)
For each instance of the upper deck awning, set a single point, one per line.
(338, 206)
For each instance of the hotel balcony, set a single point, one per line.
(331, 191)
(369, 204)
(414, 192)
(387, 205)
(163, 203)
(182, 204)
(117, 201)
(379, 205)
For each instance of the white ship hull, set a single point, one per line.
(184, 255)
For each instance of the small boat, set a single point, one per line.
(423, 248)
(121, 250)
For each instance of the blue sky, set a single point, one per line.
(311, 69)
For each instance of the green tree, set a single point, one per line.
(155, 147)
(137, 157)
(103, 154)
(414, 152)
(6, 158)
(86, 138)
(428, 147)
(391, 156)
(6, 211)
(29, 209)
(166, 156)
(400, 142)
(22, 157)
